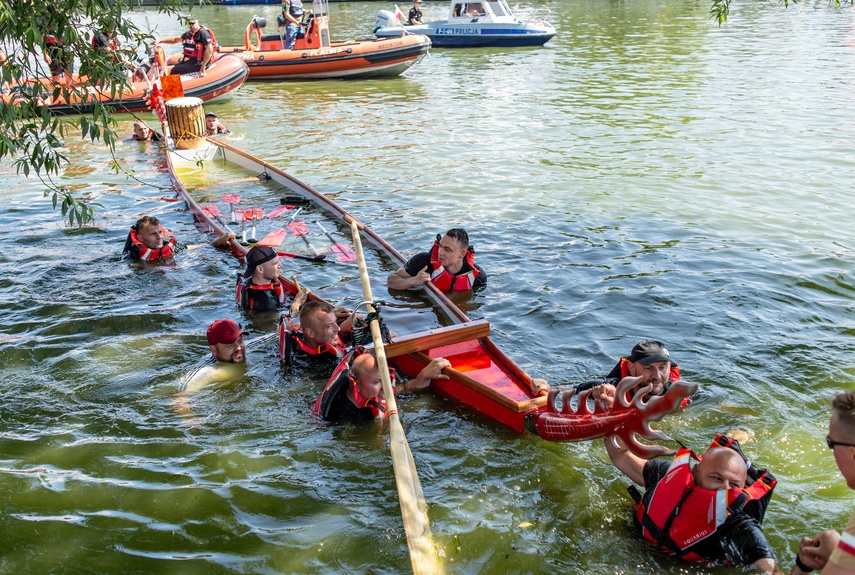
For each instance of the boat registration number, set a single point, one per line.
(456, 31)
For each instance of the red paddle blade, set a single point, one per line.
(212, 211)
(274, 238)
(239, 215)
(343, 253)
(279, 210)
(298, 228)
(253, 213)
(231, 198)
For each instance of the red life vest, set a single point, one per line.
(147, 254)
(680, 514)
(342, 379)
(445, 280)
(194, 51)
(289, 335)
(246, 299)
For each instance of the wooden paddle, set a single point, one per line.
(423, 556)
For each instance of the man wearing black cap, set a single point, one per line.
(213, 125)
(650, 360)
(199, 47)
(260, 288)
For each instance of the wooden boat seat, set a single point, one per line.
(438, 337)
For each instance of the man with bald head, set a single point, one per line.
(710, 513)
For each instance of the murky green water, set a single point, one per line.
(646, 174)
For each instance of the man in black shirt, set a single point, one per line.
(450, 266)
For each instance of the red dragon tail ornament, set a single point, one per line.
(626, 419)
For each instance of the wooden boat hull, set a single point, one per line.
(483, 378)
(224, 77)
(340, 60)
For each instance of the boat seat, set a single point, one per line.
(438, 337)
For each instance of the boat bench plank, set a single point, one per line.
(438, 337)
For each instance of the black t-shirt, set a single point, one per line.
(415, 264)
(343, 410)
(414, 16)
(740, 539)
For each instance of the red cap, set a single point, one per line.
(224, 331)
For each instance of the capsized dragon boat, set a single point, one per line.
(482, 377)
(314, 56)
(220, 80)
(472, 24)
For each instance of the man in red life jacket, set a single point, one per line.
(199, 46)
(650, 360)
(705, 513)
(318, 335)
(260, 288)
(829, 550)
(148, 241)
(363, 399)
(450, 266)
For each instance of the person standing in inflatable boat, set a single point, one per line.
(292, 13)
(450, 266)
(149, 241)
(711, 513)
(355, 390)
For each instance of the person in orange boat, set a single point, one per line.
(450, 266)
(59, 59)
(829, 550)
(213, 125)
(355, 392)
(260, 288)
(710, 513)
(650, 360)
(199, 47)
(292, 14)
(148, 241)
(143, 133)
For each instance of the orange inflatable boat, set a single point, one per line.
(224, 76)
(314, 56)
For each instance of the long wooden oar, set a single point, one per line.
(423, 556)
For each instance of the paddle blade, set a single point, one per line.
(172, 87)
(253, 213)
(343, 253)
(212, 211)
(274, 238)
(298, 228)
(231, 198)
(279, 210)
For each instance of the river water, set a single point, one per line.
(645, 174)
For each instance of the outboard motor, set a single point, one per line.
(385, 19)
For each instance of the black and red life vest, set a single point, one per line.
(680, 514)
(148, 254)
(290, 336)
(194, 51)
(263, 297)
(445, 280)
(340, 381)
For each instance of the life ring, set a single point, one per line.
(247, 37)
(159, 56)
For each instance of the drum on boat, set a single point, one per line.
(186, 122)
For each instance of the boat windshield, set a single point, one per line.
(474, 9)
(320, 8)
(499, 8)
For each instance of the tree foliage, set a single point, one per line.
(31, 136)
(720, 9)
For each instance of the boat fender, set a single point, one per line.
(159, 56)
(247, 37)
